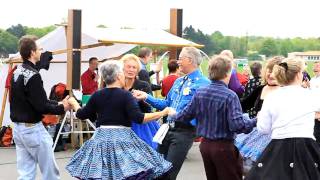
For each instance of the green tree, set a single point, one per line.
(8, 43)
(200, 38)
(269, 48)
(39, 32)
(286, 47)
(217, 39)
(17, 30)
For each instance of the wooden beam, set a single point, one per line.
(176, 29)
(4, 100)
(152, 44)
(61, 51)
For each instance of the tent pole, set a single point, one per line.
(4, 100)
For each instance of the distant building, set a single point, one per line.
(307, 56)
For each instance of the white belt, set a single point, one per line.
(114, 127)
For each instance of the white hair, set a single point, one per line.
(110, 70)
(194, 54)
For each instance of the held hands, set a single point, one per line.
(73, 103)
(70, 103)
(169, 111)
(140, 95)
(66, 105)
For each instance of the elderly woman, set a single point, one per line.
(252, 145)
(131, 68)
(288, 115)
(115, 152)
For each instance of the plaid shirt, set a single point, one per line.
(218, 112)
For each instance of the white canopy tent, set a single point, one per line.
(106, 42)
(56, 40)
(140, 37)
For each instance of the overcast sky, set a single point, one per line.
(276, 18)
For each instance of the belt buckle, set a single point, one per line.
(28, 124)
(171, 124)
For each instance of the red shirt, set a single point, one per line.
(89, 85)
(243, 79)
(167, 83)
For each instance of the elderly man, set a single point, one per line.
(219, 115)
(179, 138)
(28, 104)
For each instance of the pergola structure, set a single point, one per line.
(107, 37)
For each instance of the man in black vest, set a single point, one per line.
(28, 104)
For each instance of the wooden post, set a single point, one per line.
(74, 49)
(4, 100)
(176, 29)
(74, 58)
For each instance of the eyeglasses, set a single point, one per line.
(183, 57)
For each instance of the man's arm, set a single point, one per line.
(237, 121)
(159, 104)
(188, 113)
(38, 97)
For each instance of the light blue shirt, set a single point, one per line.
(142, 65)
(181, 92)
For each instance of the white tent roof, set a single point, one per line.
(56, 40)
(113, 42)
(139, 36)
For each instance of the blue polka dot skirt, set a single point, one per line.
(116, 153)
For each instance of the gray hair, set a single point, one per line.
(193, 53)
(110, 70)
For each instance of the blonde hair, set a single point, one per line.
(132, 57)
(269, 67)
(219, 67)
(286, 72)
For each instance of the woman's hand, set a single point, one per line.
(140, 95)
(74, 103)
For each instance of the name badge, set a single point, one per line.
(186, 91)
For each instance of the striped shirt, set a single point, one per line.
(218, 112)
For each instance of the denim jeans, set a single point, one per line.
(175, 147)
(34, 146)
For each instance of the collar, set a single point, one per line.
(92, 72)
(29, 63)
(195, 74)
(143, 66)
(219, 83)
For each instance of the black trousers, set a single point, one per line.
(175, 147)
(316, 132)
